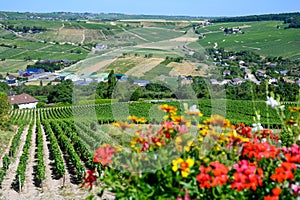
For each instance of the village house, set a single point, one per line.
(23, 101)
(236, 81)
(298, 82)
(226, 73)
(11, 80)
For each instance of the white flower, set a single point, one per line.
(257, 127)
(272, 102)
(194, 108)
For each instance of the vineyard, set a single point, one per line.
(53, 147)
(48, 155)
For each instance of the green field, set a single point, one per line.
(12, 66)
(262, 37)
(73, 40)
(5, 138)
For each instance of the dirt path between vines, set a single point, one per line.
(6, 191)
(29, 190)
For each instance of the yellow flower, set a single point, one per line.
(176, 164)
(294, 109)
(291, 121)
(217, 120)
(142, 120)
(168, 109)
(122, 125)
(183, 165)
(189, 145)
(200, 139)
(204, 132)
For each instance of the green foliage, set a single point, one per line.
(112, 81)
(4, 111)
(61, 92)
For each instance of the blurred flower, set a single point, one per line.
(137, 120)
(284, 172)
(168, 109)
(296, 189)
(184, 166)
(294, 109)
(272, 102)
(217, 120)
(257, 127)
(104, 154)
(260, 150)
(212, 176)
(244, 130)
(194, 111)
(89, 178)
(247, 176)
(123, 125)
(291, 121)
(276, 191)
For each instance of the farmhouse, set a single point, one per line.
(23, 101)
(11, 80)
(226, 73)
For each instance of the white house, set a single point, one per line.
(23, 101)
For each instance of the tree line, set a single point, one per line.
(293, 19)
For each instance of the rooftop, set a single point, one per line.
(21, 99)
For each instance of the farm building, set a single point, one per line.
(11, 80)
(23, 101)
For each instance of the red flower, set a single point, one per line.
(244, 130)
(104, 154)
(276, 191)
(246, 176)
(260, 150)
(89, 178)
(284, 172)
(271, 198)
(212, 176)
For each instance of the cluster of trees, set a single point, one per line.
(266, 17)
(24, 29)
(293, 22)
(172, 59)
(50, 66)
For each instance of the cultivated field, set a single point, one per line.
(262, 37)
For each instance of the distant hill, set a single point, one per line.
(85, 16)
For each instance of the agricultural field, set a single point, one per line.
(12, 66)
(262, 37)
(53, 147)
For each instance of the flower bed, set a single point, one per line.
(188, 157)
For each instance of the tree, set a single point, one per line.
(136, 94)
(16, 106)
(61, 92)
(4, 111)
(112, 81)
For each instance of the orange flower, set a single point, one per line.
(168, 109)
(104, 154)
(276, 191)
(294, 109)
(123, 125)
(217, 120)
(271, 198)
(137, 120)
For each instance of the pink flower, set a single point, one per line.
(104, 154)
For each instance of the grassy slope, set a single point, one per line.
(5, 137)
(262, 37)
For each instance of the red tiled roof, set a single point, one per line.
(21, 99)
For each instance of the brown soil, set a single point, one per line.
(146, 65)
